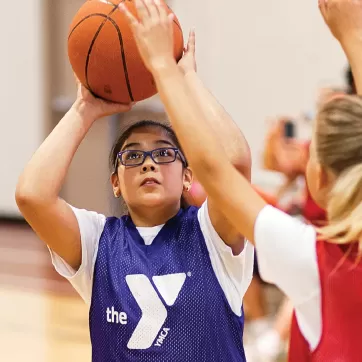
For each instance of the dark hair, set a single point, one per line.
(351, 86)
(126, 134)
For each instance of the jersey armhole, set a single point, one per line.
(233, 272)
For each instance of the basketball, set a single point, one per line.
(104, 55)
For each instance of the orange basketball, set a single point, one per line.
(104, 55)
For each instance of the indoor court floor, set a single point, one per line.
(42, 319)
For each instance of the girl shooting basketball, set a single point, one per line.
(319, 270)
(165, 282)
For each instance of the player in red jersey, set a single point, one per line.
(288, 156)
(318, 269)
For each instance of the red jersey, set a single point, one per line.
(341, 297)
(312, 212)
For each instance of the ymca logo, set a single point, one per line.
(154, 312)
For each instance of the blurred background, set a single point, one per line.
(262, 59)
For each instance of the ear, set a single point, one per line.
(188, 178)
(115, 185)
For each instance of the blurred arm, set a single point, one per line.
(353, 50)
(233, 142)
(287, 156)
(229, 189)
(230, 135)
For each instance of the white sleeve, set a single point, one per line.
(91, 226)
(286, 251)
(234, 272)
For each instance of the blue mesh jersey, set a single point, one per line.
(160, 302)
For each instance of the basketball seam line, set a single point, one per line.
(123, 58)
(84, 19)
(92, 44)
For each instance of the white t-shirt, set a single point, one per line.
(234, 273)
(286, 249)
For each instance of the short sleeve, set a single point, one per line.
(234, 272)
(91, 225)
(286, 250)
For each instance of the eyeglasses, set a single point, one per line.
(159, 156)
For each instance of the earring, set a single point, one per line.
(188, 188)
(117, 195)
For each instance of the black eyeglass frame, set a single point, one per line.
(150, 154)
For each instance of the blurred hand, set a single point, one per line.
(275, 133)
(276, 127)
(344, 18)
(188, 61)
(94, 108)
(153, 32)
(281, 154)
